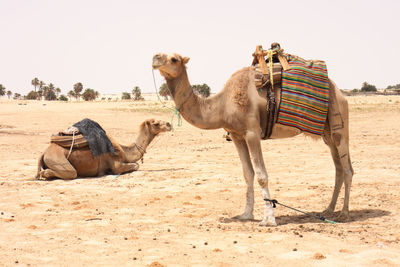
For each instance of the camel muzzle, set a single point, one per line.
(158, 61)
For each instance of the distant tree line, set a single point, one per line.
(397, 86)
(199, 89)
(136, 94)
(4, 92)
(50, 92)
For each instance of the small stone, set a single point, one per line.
(139, 249)
(193, 246)
(234, 242)
(295, 249)
(318, 256)
(169, 230)
(134, 258)
(206, 243)
(154, 238)
(125, 238)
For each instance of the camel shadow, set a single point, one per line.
(355, 216)
(115, 175)
(163, 170)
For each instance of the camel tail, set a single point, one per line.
(40, 166)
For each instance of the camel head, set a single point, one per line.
(156, 126)
(170, 66)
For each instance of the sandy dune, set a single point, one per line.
(177, 209)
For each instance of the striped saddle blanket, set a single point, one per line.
(305, 95)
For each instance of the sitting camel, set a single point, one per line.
(240, 110)
(58, 162)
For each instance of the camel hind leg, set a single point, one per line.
(57, 165)
(336, 136)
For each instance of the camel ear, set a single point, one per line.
(185, 60)
(149, 122)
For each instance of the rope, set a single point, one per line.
(158, 95)
(72, 144)
(270, 53)
(322, 218)
(175, 110)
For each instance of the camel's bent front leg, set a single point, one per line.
(248, 174)
(121, 167)
(254, 144)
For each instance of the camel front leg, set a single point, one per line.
(254, 144)
(248, 174)
(120, 167)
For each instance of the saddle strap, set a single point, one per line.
(271, 115)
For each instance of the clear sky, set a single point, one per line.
(108, 45)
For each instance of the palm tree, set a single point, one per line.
(35, 82)
(49, 92)
(2, 90)
(78, 87)
(164, 91)
(89, 94)
(71, 94)
(58, 91)
(41, 90)
(41, 84)
(9, 94)
(51, 87)
(17, 96)
(137, 93)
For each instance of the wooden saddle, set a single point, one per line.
(68, 138)
(268, 80)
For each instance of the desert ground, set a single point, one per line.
(177, 209)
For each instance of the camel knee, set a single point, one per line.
(336, 138)
(68, 174)
(262, 181)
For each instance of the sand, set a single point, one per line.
(177, 209)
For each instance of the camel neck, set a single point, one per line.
(201, 112)
(135, 151)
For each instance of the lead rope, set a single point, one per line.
(175, 110)
(322, 218)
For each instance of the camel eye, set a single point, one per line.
(174, 60)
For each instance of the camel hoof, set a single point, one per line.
(343, 217)
(268, 222)
(244, 217)
(328, 212)
(40, 177)
(136, 167)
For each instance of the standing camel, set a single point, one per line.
(56, 163)
(239, 109)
